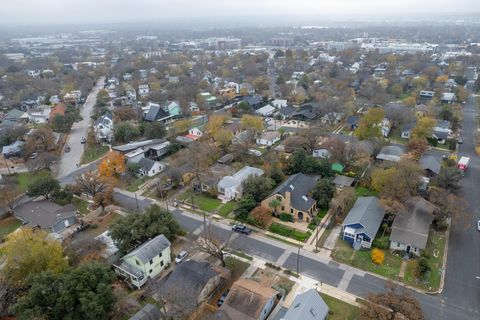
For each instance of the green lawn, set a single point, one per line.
(135, 185)
(289, 232)
(201, 201)
(227, 208)
(361, 259)
(339, 310)
(9, 225)
(365, 192)
(92, 153)
(81, 205)
(435, 244)
(25, 179)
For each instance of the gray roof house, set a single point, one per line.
(410, 228)
(343, 181)
(294, 196)
(155, 113)
(46, 215)
(149, 167)
(390, 153)
(148, 312)
(362, 222)
(308, 305)
(230, 187)
(430, 164)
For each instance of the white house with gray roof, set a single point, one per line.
(230, 187)
(146, 261)
(362, 222)
(308, 305)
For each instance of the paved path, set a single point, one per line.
(68, 162)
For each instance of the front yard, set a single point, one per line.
(203, 202)
(9, 225)
(339, 310)
(25, 179)
(289, 232)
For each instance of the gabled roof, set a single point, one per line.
(307, 306)
(149, 249)
(353, 120)
(253, 100)
(43, 213)
(146, 164)
(287, 111)
(411, 226)
(266, 110)
(138, 144)
(239, 176)
(343, 181)
(367, 212)
(391, 153)
(299, 185)
(156, 113)
(432, 163)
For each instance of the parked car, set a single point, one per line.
(222, 298)
(478, 225)
(67, 149)
(181, 256)
(83, 140)
(241, 228)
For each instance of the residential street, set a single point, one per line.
(315, 266)
(69, 160)
(462, 285)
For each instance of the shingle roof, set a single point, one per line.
(150, 249)
(239, 176)
(148, 312)
(156, 113)
(146, 164)
(343, 181)
(432, 163)
(138, 144)
(391, 153)
(367, 212)
(411, 226)
(299, 185)
(307, 306)
(44, 213)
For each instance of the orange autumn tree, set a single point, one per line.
(378, 256)
(113, 165)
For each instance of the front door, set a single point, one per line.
(300, 216)
(408, 249)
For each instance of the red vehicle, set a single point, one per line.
(463, 163)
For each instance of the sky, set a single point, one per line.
(31, 12)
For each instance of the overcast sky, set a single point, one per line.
(96, 11)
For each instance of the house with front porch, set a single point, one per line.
(147, 261)
(230, 187)
(362, 222)
(294, 198)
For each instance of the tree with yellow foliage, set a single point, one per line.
(29, 252)
(253, 124)
(215, 123)
(368, 126)
(424, 128)
(113, 165)
(378, 256)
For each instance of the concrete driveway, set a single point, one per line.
(69, 160)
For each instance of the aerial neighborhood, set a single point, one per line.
(250, 173)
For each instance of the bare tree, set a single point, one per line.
(8, 196)
(212, 245)
(91, 183)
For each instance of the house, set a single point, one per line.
(407, 129)
(211, 177)
(265, 111)
(143, 90)
(308, 305)
(268, 138)
(146, 261)
(173, 109)
(362, 222)
(286, 112)
(194, 133)
(148, 312)
(332, 118)
(321, 153)
(226, 159)
(230, 187)
(430, 164)
(293, 196)
(47, 215)
(343, 181)
(255, 102)
(279, 103)
(426, 96)
(448, 97)
(40, 115)
(60, 109)
(190, 284)
(149, 167)
(103, 127)
(152, 149)
(155, 113)
(247, 300)
(13, 150)
(209, 100)
(385, 126)
(193, 107)
(379, 72)
(241, 137)
(442, 131)
(410, 228)
(127, 77)
(390, 153)
(14, 117)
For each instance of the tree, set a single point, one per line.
(448, 178)
(261, 216)
(245, 205)
(113, 165)
(153, 130)
(276, 174)
(8, 196)
(28, 252)
(299, 161)
(378, 256)
(257, 187)
(84, 292)
(126, 114)
(424, 128)
(223, 137)
(91, 183)
(125, 132)
(445, 114)
(104, 198)
(39, 140)
(215, 123)
(447, 203)
(212, 245)
(60, 123)
(417, 146)
(323, 192)
(311, 136)
(253, 124)
(182, 126)
(274, 204)
(343, 201)
(391, 305)
(131, 231)
(43, 187)
(368, 126)
(102, 98)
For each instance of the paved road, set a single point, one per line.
(69, 160)
(462, 288)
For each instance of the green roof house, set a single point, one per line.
(337, 167)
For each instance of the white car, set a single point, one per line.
(181, 256)
(478, 225)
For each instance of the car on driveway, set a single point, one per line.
(83, 140)
(222, 298)
(181, 256)
(241, 228)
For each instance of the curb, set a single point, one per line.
(444, 261)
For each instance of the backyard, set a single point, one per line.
(9, 225)
(25, 179)
(365, 192)
(339, 310)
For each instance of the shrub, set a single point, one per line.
(378, 256)
(289, 232)
(272, 265)
(261, 215)
(441, 225)
(423, 267)
(287, 217)
(381, 243)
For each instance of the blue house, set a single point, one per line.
(362, 222)
(173, 109)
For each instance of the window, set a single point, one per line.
(291, 210)
(279, 198)
(398, 245)
(150, 271)
(161, 263)
(160, 254)
(151, 261)
(137, 262)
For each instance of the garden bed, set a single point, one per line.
(289, 232)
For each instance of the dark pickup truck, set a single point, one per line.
(240, 228)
